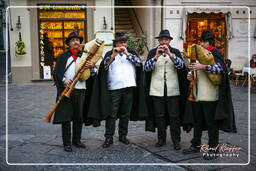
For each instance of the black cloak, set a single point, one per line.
(64, 111)
(224, 113)
(183, 86)
(100, 106)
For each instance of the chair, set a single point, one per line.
(253, 81)
(246, 78)
(237, 75)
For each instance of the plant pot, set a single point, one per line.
(20, 55)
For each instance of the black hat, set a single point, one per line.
(120, 36)
(206, 35)
(73, 35)
(164, 33)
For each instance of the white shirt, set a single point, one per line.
(71, 71)
(121, 73)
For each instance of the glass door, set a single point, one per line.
(55, 24)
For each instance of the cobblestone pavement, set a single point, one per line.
(32, 141)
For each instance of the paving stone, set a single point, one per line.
(16, 137)
(242, 159)
(32, 140)
(240, 168)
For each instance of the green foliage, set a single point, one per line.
(20, 45)
(137, 44)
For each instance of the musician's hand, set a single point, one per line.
(89, 64)
(197, 66)
(184, 55)
(189, 76)
(167, 50)
(67, 82)
(124, 50)
(159, 51)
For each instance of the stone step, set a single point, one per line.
(121, 11)
(123, 22)
(122, 15)
(126, 31)
(123, 26)
(122, 3)
(122, 19)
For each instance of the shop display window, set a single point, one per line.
(55, 24)
(198, 22)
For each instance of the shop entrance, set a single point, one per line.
(198, 22)
(55, 24)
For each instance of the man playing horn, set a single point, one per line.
(166, 89)
(118, 90)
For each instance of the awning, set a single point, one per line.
(207, 10)
(228, 19)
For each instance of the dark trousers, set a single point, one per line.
(122, 101)
(77, 99)
(204, 116)
(167, 107)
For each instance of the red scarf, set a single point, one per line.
(74, 53)
(210, 48)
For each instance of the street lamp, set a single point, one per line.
(104, 23)
(18, 24)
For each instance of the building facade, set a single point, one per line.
(43, 27)
(232, 22)
(43, 30)
(186, 19)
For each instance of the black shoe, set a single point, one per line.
(78, 144)
(192, 149)
(124, 140)
(160, 143)
(68, 148)
(210, 155)
(107, 142)
(176, 146)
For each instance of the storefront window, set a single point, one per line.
(55, 24)
(198, 22)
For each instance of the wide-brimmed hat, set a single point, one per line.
(206, 35)
(120, 36)
(71, 36)
(164, 33)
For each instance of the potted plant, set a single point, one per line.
(137, 44)
(20, 46)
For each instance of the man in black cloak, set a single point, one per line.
(118, 90)
(166, 86)
(76, 107)
(213, 107)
